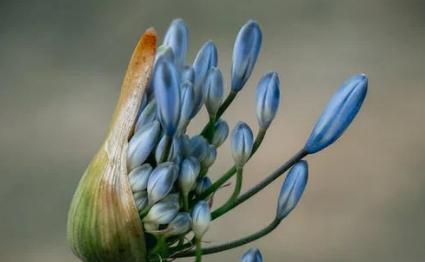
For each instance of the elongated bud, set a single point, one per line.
(139, 177)
(165, 52)
(292, 189)
(213, 91)
(188, 74)
(142, 144)
(338, 114)
(179, 225)
(252, 255)
(267, 96)
(187, 105)
(177, 38)
(241, 143)
(161, 181)
(147, 116)
(189, 171)
(204, 60)
(221, 131)
(167, 95)
(198, 147)
(162, 212)
(245, 52)
(203, 184)
(210, 158)
(141, 199)
(201, 219)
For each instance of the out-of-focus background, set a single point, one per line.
(61, 66)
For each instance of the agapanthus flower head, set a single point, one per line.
(252, 255)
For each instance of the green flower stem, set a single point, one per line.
(198, 251)
(223, 179)
(185, 202)
(235, 243)
(237, 190)
(254, 190)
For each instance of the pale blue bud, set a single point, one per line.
(188, 74)
(167, 95)
(241, 143)
(164, 52)
(221, 131)
(141, 199)
(174, 149)
(210, 157)
(267, 96)
(203, 184)
(138, 177)
(338, 114)
(187, 105)
(245, 52)
(252, 255)
(147, 116)
(189, 171)
(198, 147)
(205, 59)
(141, 144)
(177, 38)
(161, 181)
(201, 219)
(213, 91)
(180, 225)
(162, 212)
(292, 189)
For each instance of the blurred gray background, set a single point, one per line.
(61, 66)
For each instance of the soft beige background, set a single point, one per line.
(61, 64)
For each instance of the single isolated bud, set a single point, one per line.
(213, 91)
(141, 144)
(179, 225)
(139, 177)
(252, 255)
(167, 95)
(338, 114)
(189, 171)
(292, 189)
(161, 181)
(177, 37)
(221, 131)
(204, 60)
(242, 141)
(148, 115)
(245, 52)
(267, 96)
(201, 219)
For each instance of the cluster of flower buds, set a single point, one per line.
(168, 168)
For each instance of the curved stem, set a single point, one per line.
(265, 182)
(235, 243)
(237, 190)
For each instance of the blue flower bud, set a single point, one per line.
(205, 59)
(162, 212)
(167, 95)
(267, 96)
(210, 157)
(338, 114)
(139, 177)
(292, 189)
(189, 171)
(179, 225)
(141, 199)
(241, 143)
(161, 181)
(187, 106)
(221, 131)
(213, 91)
(245, 52)
(141, 144)
(201, 219)
(148, 115)
(165, 52)
(188, 74)
(203, 185)
(174, 149)
(177, 38)
(198, 147)
(252, 255)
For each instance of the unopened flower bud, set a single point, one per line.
(177, 38)
(165, 52)
(162, 212)
(179, 225)
(189, 171)
(338, 114)
(221, 131)
(213, 91)
(267, 96)
(245, 52)
(139, 177)
(252, 255)
(210, 157)
(203, 185)
(241, 142)
(148, 115)
(161, 181)
(201, 219)
(187, 106)
(141, 144)
(198, 147)
(141, 199)
(292, 189)
(188, 74)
